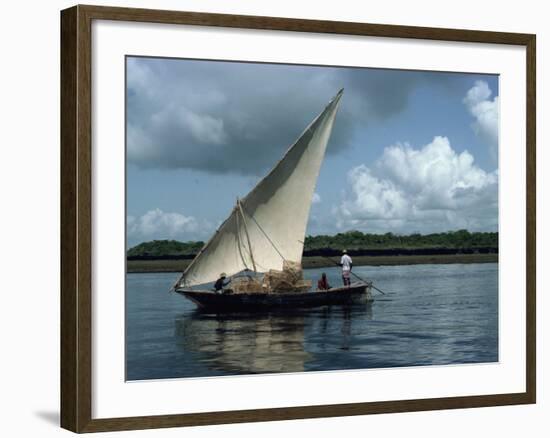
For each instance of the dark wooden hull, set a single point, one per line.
(230, 302)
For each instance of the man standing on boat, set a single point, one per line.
(220, 283)
(346, 264)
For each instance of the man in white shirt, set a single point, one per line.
(346, 264)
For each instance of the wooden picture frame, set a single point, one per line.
(76, 218)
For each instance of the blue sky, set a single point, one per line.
(410, 151)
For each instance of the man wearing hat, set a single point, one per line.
(220, 284)
(346, 264)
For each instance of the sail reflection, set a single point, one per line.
(245, 343)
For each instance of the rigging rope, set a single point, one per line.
(264, 233)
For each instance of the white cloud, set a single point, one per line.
(428, 189)
(157, 224)
(204, 128)
(316, 199)
(486, 114)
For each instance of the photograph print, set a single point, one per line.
(298, 218)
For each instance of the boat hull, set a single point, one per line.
(229, 302)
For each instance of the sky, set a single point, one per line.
(410, 151)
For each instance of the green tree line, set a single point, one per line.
(156, 248)
(460, 239)
(355, 240)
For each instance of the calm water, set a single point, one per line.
(430, 315)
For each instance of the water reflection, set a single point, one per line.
(264, 343)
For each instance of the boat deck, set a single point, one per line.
(205, 299)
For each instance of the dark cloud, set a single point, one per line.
(380, 92)
(241, 117)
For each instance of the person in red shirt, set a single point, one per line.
(322, 284)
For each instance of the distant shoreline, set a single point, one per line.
(178, 265)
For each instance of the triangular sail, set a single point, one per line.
(271, 220)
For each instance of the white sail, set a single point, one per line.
(269, 224)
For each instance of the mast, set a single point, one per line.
(246, 232)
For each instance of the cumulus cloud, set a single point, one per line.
(316, 199)
(157, 224)
(486, 114)
(433, 188)
(241, 117)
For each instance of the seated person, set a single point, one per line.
(322, 284)
(220, 284)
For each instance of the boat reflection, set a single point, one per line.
(250, 343)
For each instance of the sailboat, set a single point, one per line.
(265, 233)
